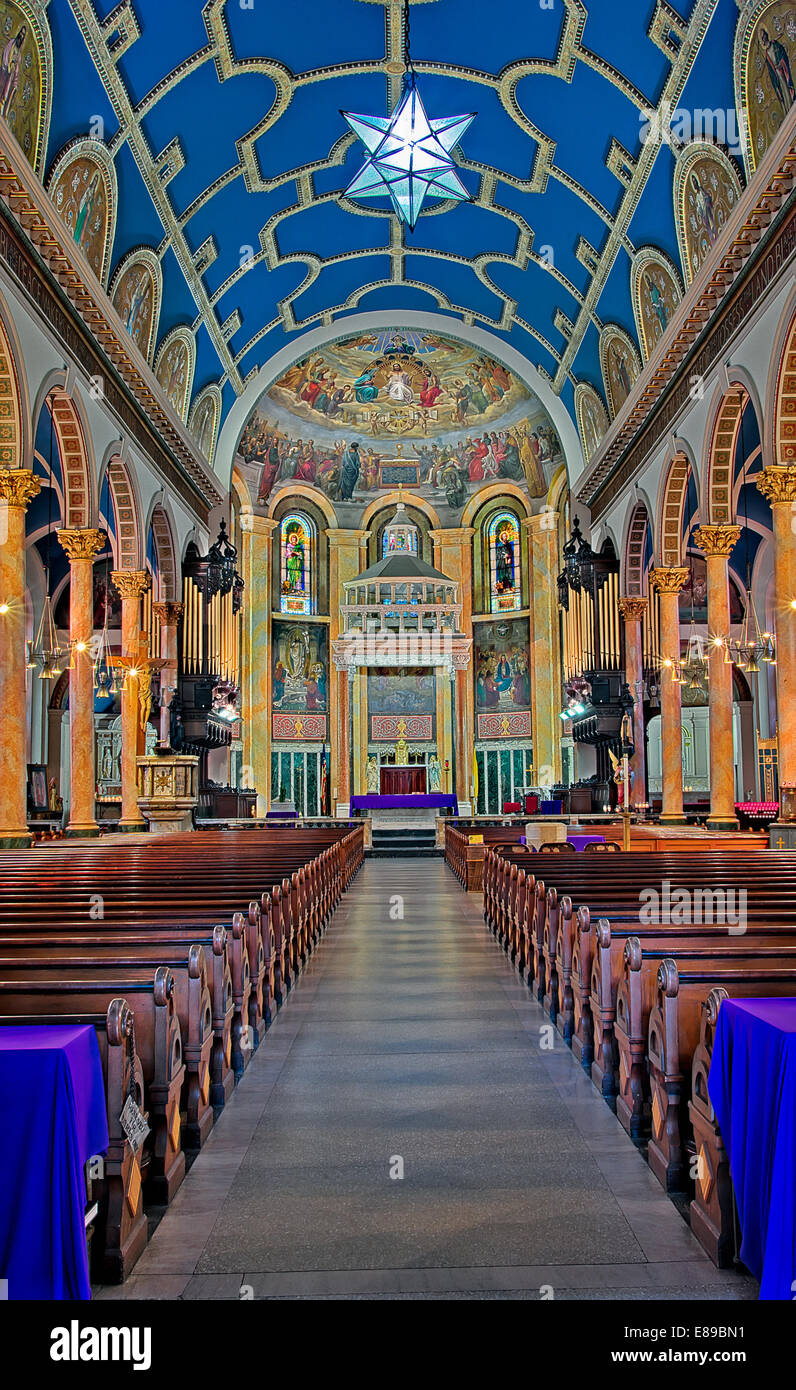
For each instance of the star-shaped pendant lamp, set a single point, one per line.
(409, 155)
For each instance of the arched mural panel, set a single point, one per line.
(706, 191)
(83, 188)
(204, 420)
(656, 292)
(136, 294)
(765, 53)
(621, 365)
(174, 368)
(25, 76)
(592, 418)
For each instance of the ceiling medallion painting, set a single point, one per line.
(706, 190)
(765, 80)
(620, 364)
(135, 295)
(83, 188)
(174, 368)
(398, 406)
(592, 418)
(656, 295)
(24, 77)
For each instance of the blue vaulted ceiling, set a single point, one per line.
(554, 84)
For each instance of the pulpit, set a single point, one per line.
(403, 781)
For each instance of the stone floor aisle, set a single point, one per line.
(409, 1045)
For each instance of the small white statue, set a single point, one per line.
(434, 774)
(373, 775)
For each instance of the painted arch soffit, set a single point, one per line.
(508, 194)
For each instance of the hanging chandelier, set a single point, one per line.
(409, 156)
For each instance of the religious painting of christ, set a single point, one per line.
(299, 679)
(21, 84)
(764, 64)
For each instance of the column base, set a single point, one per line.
(132, 827)
(81, 830)
(722, 823)
(22, 839)
(673, 818)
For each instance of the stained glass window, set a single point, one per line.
(505, 571)
(298, 564)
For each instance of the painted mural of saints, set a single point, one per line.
(11, 70)
(173, 375)
(778, 69)
(79, 194)
(21, 97)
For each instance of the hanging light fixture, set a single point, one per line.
(46, 654)
(409, 156)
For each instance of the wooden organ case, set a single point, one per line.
(209, 644)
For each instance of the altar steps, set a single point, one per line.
(405, 842)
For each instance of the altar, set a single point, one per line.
(402, 781)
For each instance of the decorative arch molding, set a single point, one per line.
(259, 381)
(701, 209)
(204, 420)
(241, 490)
(29, 120)
(620, 364)
(16, 441)
(127, 545)
(756, 97)
(634, 570)
(719, 468)
(390, 500)
(312, 494)
(672, 506)
(76, 465)
(784, 403)
(163, 531)
(136, 293)
(503, 491)
(592, 417)
(91, 164)
(174, 368)
(656, 289)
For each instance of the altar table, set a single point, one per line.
(752, 1087)
(418, 802)
(52, 1120)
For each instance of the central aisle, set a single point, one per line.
(410, 1045)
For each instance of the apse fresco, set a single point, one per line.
(770, 84)
(502, 678)
(135, 299)
(367, 413)
(20, 78)
(706, 192)
(299, 680)
(656, 295)
(81, 193)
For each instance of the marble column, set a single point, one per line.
(168, 615)
(717, 543)
(18, 487)
(257, 544)
(130, 585)
(81, 547)
(633, 610)
(778, 484)
(453, 555)
(669, 582)
(545, 654)
(347, 559)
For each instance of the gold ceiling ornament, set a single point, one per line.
(18, 487)
(717, 540)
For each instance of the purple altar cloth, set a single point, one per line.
(580, 841)
(281, 815)
(52, 1120)
(752, 1086)
(440, 800)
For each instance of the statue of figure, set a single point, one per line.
(373, 775)
(434, 774)
(401, 752)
